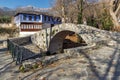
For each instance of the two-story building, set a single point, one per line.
(30, 22)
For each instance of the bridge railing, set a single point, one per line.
(18, 52)
(15, 51)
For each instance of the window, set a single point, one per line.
(52, 19)
(17, 18)
(45, 17)
(35, 18)
(58, 19)
(30, 18)
(35, 27)
(49, 18)
(21, 26)
(39, 17)
(24, 26)
(31, 26)
(28, 26)
(55, 19)
(24, 17)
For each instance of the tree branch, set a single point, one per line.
(117, 9)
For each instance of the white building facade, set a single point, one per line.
(29, 23)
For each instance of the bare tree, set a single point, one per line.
(60, 8)
(114, 8)
(69, 9)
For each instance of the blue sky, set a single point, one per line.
(19, 3)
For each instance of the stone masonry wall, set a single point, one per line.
(89, 34)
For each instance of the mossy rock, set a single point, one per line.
(21, 68)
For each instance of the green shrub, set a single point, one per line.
(35, 66)
(21, 68)
(103, 21)
(106, 22)
(79, 21)
(12, 32)
(5, 19)
(91, 21)
(7, 30)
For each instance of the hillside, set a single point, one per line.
(11, 12)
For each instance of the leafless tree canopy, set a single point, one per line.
(69, 9)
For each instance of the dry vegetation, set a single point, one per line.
(8, 32)
(102, 14)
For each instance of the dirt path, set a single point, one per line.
(102, 63)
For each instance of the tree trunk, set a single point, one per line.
(113, 15)
(114, 18)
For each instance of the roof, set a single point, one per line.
(30, 12)
(34, 12)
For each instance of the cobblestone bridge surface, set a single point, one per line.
(97, 62)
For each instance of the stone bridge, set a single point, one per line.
(58, 33)
(55, 42)
(93, 60)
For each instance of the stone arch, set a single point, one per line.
(87, 33)
(56, 43)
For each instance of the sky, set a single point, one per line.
(19, 3)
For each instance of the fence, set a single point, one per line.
(18, 52)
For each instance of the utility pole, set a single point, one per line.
(46, 38)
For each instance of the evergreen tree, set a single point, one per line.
(80, 13)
